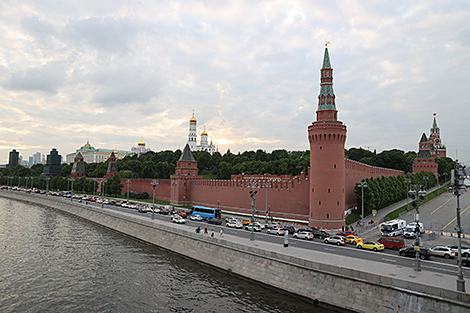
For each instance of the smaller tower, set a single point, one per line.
(204, 143)
(112, 166)
(425, 160)
(78, 168)
(192, 133)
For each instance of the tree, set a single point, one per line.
(225, 170)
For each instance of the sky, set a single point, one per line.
(112, 71)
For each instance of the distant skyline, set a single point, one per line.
(112, 72)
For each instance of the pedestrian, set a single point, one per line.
(352, 229)
(342, 228)
(221, 232)
(205, 230)
(212, 233)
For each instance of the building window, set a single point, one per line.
(328, 190)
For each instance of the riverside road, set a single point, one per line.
(439, 215)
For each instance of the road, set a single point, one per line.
(436, 264)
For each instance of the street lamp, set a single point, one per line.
(103, 182)
(362, 185)
(154, 183)
(26, 181)
(253, 199)
(128, 181)
(94, 186)
(267, 185)
(416, 195)
(47, 185)
(32, 178)
(19, 181)
(458, 176)
(426, 178)
(174, 186)
(438, 183)
(72, 180)
(407, 182)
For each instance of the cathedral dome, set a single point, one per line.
(193, 120)
(141, 143)
(204, 133)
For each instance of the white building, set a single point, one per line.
(192, 138)
(140, 149)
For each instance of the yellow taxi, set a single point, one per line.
(352, 239)
(246, 222)
(370, 245)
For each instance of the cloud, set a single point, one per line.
(47, 78)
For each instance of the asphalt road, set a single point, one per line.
(435, 264)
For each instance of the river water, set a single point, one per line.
(54, 262)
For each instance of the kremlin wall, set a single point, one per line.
(319, 197)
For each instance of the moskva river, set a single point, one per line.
(54, 262)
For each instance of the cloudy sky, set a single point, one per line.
(113, 71)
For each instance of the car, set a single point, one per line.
(178, 219)
(276, 231)
(307, 229)
(410, 252)
(354, 240)
(290, 229)
(392, 243)
(320, 234)
(303, 235)
(337, 240)
(370, 245)
(182, 213)
(215, 221)
(442, 251)
(465, 262)
(465, 250)
(346, 232)
(256, 227)
(195, 217)
(246, 221)
(230, 219)
(273, 225)
(234, 224)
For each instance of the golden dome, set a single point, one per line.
(204, 133)
(141, 142)
(87, 144)
(193, 119)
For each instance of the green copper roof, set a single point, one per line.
(423, 138)
(326, 59)
(79, 155)
(187, 155)
(434, 124)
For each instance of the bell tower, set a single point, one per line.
(327, 137)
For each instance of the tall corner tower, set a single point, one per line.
(192, 137)
(439, 150)
(327, 137)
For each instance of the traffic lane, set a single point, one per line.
(388, 256)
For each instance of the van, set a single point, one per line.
(392, 243)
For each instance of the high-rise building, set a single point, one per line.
(53, 164)
(14, 158)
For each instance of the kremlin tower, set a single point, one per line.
(327, 137)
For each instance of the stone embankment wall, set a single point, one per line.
(340, 286)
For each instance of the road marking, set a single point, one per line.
(329, 249)
(442, 205)
(389, 260)
(455, 218)
(438, 269)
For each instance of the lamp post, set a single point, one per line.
(426, 178)
(32, 178)
(26, 181)
(362, 185)
(128, 181)
(416, 195)
(407, 182)
(103, 192)
(72, 180)
(438, 183)
(267, 185)
(47, 185)
(19, 181)
(253, 199)
(11, 182)
(154, 184)
(174, 186)
(94, 186)
(458, 176)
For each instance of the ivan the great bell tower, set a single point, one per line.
(327, 137)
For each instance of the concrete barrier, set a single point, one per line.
(313, 278)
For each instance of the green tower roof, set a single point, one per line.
(187, 155)
(326, 59)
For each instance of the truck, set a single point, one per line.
(392, 228)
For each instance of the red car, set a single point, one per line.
(346, 233)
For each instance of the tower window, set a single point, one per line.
(320, 147)
(328, 190)
(327, 215)
(319, 202)
(335, 165)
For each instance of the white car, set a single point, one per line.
(195, 217)
(303, 235)
(465, 250)
(178, 219)
(276, 231)
(337, 240)
(445, 252)
(234, 224)
(257, 227)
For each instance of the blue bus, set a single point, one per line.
(205, 213)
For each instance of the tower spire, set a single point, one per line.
(326, 110)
